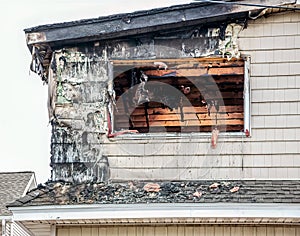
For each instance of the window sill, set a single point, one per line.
(204, 135)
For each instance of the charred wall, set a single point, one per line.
(81, 94)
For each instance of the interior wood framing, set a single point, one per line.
(215, 97)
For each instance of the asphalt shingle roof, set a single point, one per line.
(12, 187)
(206, 191)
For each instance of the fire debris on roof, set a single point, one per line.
(244, 191)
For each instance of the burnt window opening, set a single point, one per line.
(180, 96)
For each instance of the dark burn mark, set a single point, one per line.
(231, 191)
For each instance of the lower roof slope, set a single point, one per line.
(13, 185)
(135, 192)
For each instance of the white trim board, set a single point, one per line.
(31, 181)
(142, 211)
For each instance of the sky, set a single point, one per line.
(24, 129)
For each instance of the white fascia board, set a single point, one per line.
(5, 217)
(31, 181)
(142, 211)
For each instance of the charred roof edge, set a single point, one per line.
(114, 17)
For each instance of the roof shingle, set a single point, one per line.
(206, 191)
(12, 187)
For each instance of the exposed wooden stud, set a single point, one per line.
(185, 72)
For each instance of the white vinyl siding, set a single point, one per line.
(272, 151)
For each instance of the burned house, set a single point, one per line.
(195, 103)
(124, 80)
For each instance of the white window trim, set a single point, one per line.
(157, 211)
(247, 96)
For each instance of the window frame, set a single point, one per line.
(246, 105)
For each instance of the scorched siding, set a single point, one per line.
(273, 149)
(82, 110)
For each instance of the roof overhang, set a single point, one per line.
(162, 213)
(122, 25)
